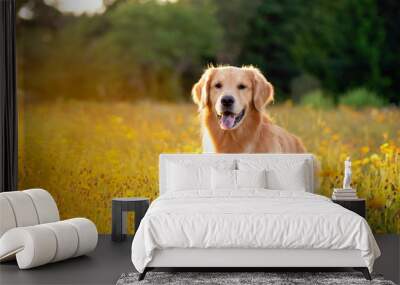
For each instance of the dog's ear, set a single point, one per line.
(202, 88)
(263, 91)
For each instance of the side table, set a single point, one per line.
(120, 207)
(356, 205)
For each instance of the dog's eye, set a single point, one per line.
(218, 85)
(241, 86)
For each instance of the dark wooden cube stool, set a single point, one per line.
(120, 207)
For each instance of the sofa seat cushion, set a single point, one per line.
(40, 244)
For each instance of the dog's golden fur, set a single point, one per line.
(255, 132)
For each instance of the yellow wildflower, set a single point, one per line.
(365, 161)
(364, 149)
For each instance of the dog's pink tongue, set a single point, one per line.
(227, 121)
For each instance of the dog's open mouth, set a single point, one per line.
(229, 120)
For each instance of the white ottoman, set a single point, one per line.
(31, 232)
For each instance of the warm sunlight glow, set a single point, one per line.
(25, 13)
(78, 7)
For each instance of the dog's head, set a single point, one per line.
(231, 93)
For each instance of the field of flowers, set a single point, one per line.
(86, 153)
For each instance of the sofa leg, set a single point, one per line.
(143, 274)
(364, 271)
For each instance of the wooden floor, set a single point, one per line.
(110, 259)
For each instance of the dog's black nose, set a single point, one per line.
(227, 101)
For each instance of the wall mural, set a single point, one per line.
(103, 89)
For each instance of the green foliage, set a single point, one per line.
(157, 49)
(235, 31)
(137, 49)
(268, 44)
(389, 11)
(302, 85)
(317, 100)
(341, 43)
(360, 98)
(164, 35)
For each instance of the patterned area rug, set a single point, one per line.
(229, 278)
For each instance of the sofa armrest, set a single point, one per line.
(32, 246)
(40, 244)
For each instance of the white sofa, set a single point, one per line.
(31, 230)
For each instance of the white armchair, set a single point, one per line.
(31, 230)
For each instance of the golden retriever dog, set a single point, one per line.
(232, 103)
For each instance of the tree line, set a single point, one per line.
(157, 49)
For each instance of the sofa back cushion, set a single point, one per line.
(26, 208)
